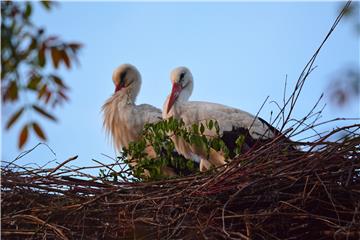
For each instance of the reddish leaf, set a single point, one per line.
(42, 91)
(33, 44)
(47, 4)
(75, 46)
(14, 117)
(65, 58)
(58, 81)
(44, 113)
(48, 95)
(62, 94)
(41, 55)
(39, 132)
(34, 82)
(23, 136)
(51, 39)
(56, 56)
(11, 92)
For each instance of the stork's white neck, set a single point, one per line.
(185, 93)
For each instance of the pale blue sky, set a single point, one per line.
(239, 53)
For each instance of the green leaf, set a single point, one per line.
(23, 136)
(215, 144)
(217, 127)
(44, 113)
(239, 143)
(224, 148)
(190, 165)
(195, 128)
(14, 117)
(211, 124)
(197, 140)
(39, 132)
(240, 140)
(202, 128)
(176, 124)
(28, 10)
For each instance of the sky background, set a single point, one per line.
(239, 53)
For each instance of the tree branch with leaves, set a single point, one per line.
(28, 79)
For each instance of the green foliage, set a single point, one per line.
(158, 135)
(26, 54)
(239, 143)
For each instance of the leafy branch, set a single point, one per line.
(26, 54)
(158, 137)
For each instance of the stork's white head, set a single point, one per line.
(182, 86)
(127, 79)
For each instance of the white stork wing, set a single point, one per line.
(143, 114)
(228, 118)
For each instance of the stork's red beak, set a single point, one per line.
(119, 86)
(176, 89)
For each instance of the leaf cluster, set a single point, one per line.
(26, 54)
(158, 136)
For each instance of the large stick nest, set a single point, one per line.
(268, 193)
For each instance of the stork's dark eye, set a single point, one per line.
(122, 77)
(182, 75)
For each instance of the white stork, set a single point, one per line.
(123, 119)
(232, 122)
